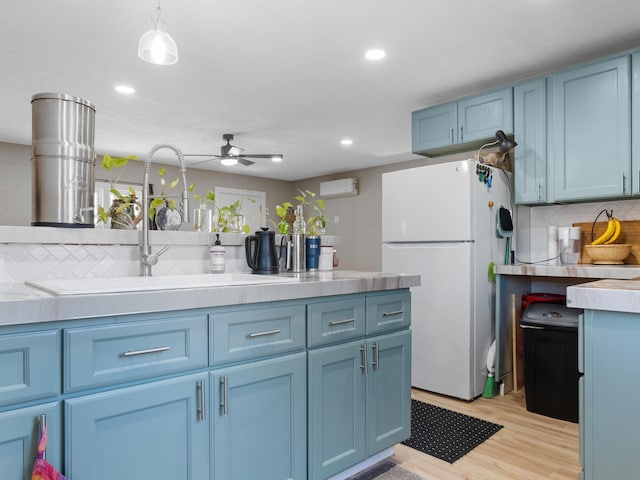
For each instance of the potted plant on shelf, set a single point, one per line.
(162, 209)
(125, 211)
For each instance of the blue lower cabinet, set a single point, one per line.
(359, 401)
(337, 387)
(259, 420)
(388, 391)
(19, 440)
(157, 430)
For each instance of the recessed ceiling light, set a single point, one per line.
(126, 89)
(375, 54)
(276, 158)
(346, 141)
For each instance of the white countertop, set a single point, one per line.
(612, 295)
(22, 304)
(624, 272)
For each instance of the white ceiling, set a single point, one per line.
(288, 76)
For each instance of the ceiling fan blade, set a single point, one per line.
(244, 161)
(261, 155)
(210, 157)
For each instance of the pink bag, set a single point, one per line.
(43, 470)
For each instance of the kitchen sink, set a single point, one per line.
(84, 286)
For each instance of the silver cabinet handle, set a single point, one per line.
(390, 314)
(376, 356)
(224, 396)
(532, 327)
(201, 409)
(266, 332)
(42, 426)
(461, 135)
(451, 134)
(539, 191)
(133, 353)
(363, 354)
(624, 178)
(341, 322)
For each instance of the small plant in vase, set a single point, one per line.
(202, 217)
(317, 223)
(286, 215)
(162, 208)
(125, 212)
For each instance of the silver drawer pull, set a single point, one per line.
(532, 327)
(201, 409)
(390, 314)
(133, 353)
(267, 332)
(342, 322)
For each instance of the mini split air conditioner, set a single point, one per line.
(345, 187)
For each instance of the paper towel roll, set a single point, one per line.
(552, 244)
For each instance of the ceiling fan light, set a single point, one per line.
(156, 45)
(229, 162)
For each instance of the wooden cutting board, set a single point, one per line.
(630, 234)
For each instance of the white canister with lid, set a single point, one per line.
(326, 258)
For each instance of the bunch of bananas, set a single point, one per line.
(611, 234)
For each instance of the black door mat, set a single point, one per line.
(445, 434)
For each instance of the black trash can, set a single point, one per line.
(550, 339)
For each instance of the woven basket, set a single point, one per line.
(613, 254)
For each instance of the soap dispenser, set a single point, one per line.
(218, 256)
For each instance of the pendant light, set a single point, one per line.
(156, 45)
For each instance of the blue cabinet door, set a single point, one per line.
(635, 121)
(260, 420)
(591, 131)
(156, 430)
(337, 438)
(480, 116)
(611, 391)
(434, 127)
(530, 123)
(19, 440)
(388, 391)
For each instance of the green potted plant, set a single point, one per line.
(125, 211)
(286, 215)
(317, 223)
(162, 209)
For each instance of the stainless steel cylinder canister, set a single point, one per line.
(63, 160)
(298, 263)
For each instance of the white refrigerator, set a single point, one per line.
(440, 221)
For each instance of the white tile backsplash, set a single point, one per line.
(533, 222)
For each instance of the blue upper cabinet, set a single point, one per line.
(635, 121)
(529, 124)
(434, 127)
(590, 131)
(456, 126)
(479, 117)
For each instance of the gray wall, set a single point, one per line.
(359, 226)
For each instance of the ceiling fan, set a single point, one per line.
(232, 155)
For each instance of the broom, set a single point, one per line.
(490, 384)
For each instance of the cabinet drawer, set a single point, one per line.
(109, 354)
(335, 321)
(387, 312)
(247, 334)
(29, 366)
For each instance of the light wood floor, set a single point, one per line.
(529, 447)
